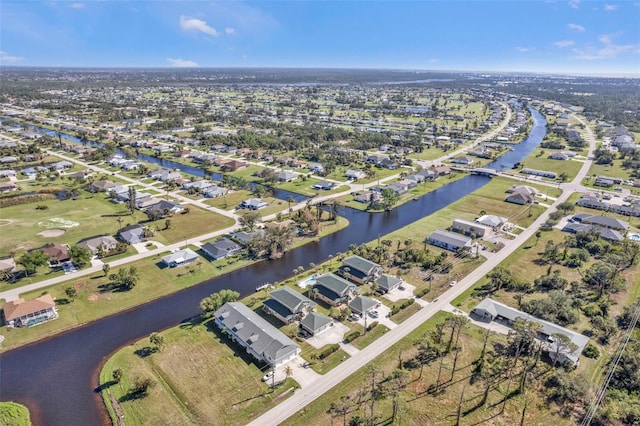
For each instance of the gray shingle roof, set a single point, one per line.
(334, 283)
(449, 238)
(315, 321)
(256, 332)
(362, 304)
(290, 298)
(361, 264)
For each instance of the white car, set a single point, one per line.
(452, 283)
(373, 314)
(267, 376)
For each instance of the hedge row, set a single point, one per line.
(328, 350)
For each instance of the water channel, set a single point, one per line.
(56, 377)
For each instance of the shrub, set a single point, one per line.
(350, 337)
(372, 325)
(394, 310)
(422, 292)
(407, 303)
(590, 351)
(328, 350)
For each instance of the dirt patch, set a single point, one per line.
(93, 297)
(4, 222)
(52, 233)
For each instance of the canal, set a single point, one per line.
(56, 377)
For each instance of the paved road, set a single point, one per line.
(310, 393)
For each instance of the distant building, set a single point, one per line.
(180, 257)
(469, 228)
(449, 240)
(21, 313)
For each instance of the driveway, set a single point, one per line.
(334, 334)
(398, 294)
(304, 376)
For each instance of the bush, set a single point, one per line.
(590, 351)
(407, 303)
(350, 337)
(422, 292)
(394, 310)
(372, 325)
(328, 351)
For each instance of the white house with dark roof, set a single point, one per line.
(449, 240)
(491, 310)
(387, 283)
(260, 339)
(363, 304)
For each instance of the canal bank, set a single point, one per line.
(69, 360)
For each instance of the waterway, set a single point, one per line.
(56, 377)
(280, 194)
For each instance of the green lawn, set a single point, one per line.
(14, 414)
(186, 226)
(539, 160)
(88, 216)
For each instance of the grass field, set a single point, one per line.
(201, 378)
(539, 160)
(89, 215)
(14, 414)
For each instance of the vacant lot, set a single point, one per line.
(200, 377)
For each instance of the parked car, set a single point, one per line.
(452, 283)
(354, 317)
(374, 314)
(267, 376)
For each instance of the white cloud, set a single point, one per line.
(229, 31)
(576, 27)
(564, 43)
(522, 49)
(433, 61)
(5, 57)
(193, 24)
(607, 49)
(610, 7)
(77, 6)
(574, 3)
(181, 63)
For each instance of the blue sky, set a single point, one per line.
(570, 36)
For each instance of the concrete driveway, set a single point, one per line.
(304, 376)
(398, 294)
(334, 334)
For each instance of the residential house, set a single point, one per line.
(8, 265)
(57, 254)
(604, 233)
(8, 187)
(101, 186)
(558, 156)
(521, 194)
(449, 240)
(179, 257)
(361, 305)
(472, 229)
(326, 186)
(164, 208)
(315, 323)
(316, 168)
(368, 197)
(214, 191)
(593, 202)
(492, 221)
(604, 221)
(253, 204)
(606, 181)
(21, 313)
(101, 244)
(333, 289)
(232, 165)
(260, 339)
(199, 185)
(462, 160)
(244, 237)
(386, 283)
(354, 174)
(288, 305)
(286, 176)
(440, 170)
(491, 310)
(132, 234)
(360, 270)
(541, 173)
(221, 248)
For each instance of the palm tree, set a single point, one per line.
(288, 371)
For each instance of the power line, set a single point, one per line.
(610, 372)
